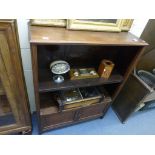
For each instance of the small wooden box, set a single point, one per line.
(105, 68)
(79, 97)
(83, 73)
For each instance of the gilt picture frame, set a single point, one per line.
(126, 24)
(110, 25)
(49, 22)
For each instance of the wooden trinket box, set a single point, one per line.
(83, 73)
(105, 68)
(79, 97)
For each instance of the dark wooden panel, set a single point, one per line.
(52, 118)
(129, 97)
(68, 117)
(57, 119)
(11, 75)
(52, 35)
(77, 55)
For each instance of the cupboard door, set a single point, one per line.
(8, 101)
(6, 113)
(14, 112)
(132, 94)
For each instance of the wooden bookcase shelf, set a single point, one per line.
(80, 49)
(46, 83)
(49, 106)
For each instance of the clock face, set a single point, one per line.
(59, 67)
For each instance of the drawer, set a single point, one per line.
(59, 119)
(72, 116)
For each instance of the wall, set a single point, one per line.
(137, 29)
(147, 61)
(26, 59)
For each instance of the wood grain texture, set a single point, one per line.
(35, 81)
(130, 96)
(47, 84)
(52, 35)
(1, 89)
(12, 77)
(60, 119)
(79, 49)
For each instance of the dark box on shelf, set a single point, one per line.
(79, 97)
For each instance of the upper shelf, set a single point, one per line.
(53, 35)
(46, 83)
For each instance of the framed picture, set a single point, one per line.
(49, 22)
(111, 25)
(126, 24)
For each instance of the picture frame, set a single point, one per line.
(126, 24)
(110, 25)
(49, 22)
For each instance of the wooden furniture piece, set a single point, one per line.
(14, 109)
(80, 49)
(134, 93)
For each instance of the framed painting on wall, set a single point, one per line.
(111, 25)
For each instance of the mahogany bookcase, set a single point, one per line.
(79, 49)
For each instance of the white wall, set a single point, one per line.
(138, 26)
(137, 29)
(26, 59)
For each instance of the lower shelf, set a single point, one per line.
(1, 89)
(68, 117)
(46, 83)
(52, 118)
(69, 123)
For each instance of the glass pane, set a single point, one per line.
(6, 115)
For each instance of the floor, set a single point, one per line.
(141, 123)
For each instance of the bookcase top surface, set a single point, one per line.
(54, 35)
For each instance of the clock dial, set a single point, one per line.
(59, 67)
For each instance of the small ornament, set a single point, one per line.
(58, 68)
(105, 68)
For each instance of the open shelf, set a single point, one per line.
(81, 49)
(1, 89)
(49, 106)
(47, 84)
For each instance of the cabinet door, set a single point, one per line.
(130, 97)
(14, 112)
